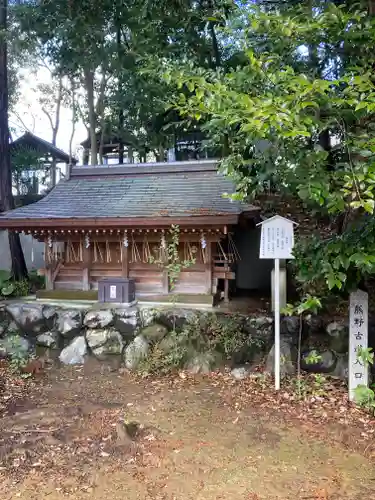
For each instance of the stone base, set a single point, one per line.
(126, 329)
(202, 299)
(116, 329)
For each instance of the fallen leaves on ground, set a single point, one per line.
(13, 389)
(67, 423)
(326, 408)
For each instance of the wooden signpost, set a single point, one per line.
(277, 242)
(358, 340)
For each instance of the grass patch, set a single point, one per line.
(67, 294)
(180, 298)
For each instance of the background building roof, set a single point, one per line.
(31, 141)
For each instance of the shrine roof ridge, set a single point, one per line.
(150, 168)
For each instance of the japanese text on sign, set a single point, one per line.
(358, 340)
(277, 239)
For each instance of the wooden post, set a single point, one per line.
(49, 282)
(226, 282)
(277, 324)
(48, 268)
(165, 277)
(226, 290)
(165, 284)
(86, 267)
(209, 267)
(125, 261)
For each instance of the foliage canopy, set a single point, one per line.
(297, 115)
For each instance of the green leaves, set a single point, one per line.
(336, 264)
(8, 290)
(336, 280)
(369, 205)
(361, 105)
(366, 355)
(365, 397)
(308, 304)
(4, 276)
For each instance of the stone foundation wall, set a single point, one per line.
(133, 334)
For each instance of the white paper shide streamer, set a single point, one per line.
(203, 242)
(163, 243)
(126, 241)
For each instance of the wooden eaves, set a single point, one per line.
(116, 222)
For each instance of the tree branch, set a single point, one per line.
(25, 127)
(48, 116)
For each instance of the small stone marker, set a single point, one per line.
(277, 242)
(358, 339)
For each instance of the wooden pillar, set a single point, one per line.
(209, 267)
(226, 290)
(165, 284)
(226, 282)
(48, 267)
(125, 261)
(86, 267)
(165, 277)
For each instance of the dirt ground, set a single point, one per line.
(196, 439)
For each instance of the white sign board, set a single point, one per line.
(112, 292)
(358, 339)
(277, 238)
(276, 242)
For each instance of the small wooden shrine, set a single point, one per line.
(115, 221)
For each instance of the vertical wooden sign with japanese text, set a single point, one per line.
(358, 340)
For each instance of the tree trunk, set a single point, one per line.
(160, 155)
(101, 143)
(215, 45)
(121, 111)
(86, 156)
(55, 130)
(120, 139)
(19, 269)
(89, 83)
(74, 119)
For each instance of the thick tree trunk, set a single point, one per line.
(121, 111)
(19, 269)
(89, 83)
